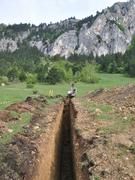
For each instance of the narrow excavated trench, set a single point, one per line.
(66, 157)
(56, 152)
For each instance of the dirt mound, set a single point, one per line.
(123, 98)
(19, 156)
(21, 107)
(5, 116)
(103, 152)
(29, 105)
(3, 127)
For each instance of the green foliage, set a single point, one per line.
(3, 79)
(131, 69)
(65, 68)
(130, 59)
(88, 74)
(95, 178)
(29, 85)
(118, 123)
(121, 27)
(69, 75)
(16, 127)
(77, 76)
(118, 24)
(88, 20)
(13, 73)
(31, 79)
(51, 31)
(15, 92)
(22, 76)
(43, 69)
(55, 75)
(114, 63)
(132, 148)
(25, 59)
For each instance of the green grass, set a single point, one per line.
(91, 106)
(17, 92)
(117, 121)
(119, 125)
(95, 178)
(132, 149)
(15, 126)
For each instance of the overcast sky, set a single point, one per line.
(37, 11)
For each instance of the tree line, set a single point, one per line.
(29, 65)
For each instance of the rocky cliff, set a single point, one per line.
(109, 32)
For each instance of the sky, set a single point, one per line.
(41, 11)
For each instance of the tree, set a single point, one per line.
(3, 79)
(131, 69)
(88, 74)
(69, 75)
(22, 76)
(13, 74)
(54, 76)
(31, 78)
(43, 69)
(77, 76)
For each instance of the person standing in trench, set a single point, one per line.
(72, 92)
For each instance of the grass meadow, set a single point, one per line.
(18, 92)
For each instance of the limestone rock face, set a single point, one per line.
(8, 45)
(65, 45)
(111, 32)
(11, 44)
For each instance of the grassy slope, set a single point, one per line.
(15, 126)
(17, 92)
(118, 123)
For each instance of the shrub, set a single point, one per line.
(69, 75)
(131, 70)
(22, 76)
(29, 85)
(55, 75)
(77, 76)
(88, 74)
(13, 74)
(31, 79)
(35, 92)
(3, 79)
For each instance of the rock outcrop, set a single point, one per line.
(111, 33)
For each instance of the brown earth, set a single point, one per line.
(105, 155)
(50, 145)
(19, 157)
(123, 98)
(47, 163)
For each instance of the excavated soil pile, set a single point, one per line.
(44, 149)
(123, 98)
(104, 135)
(19, 156)
(29, 105)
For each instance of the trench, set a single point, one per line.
(56, 152)
(66, 153)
